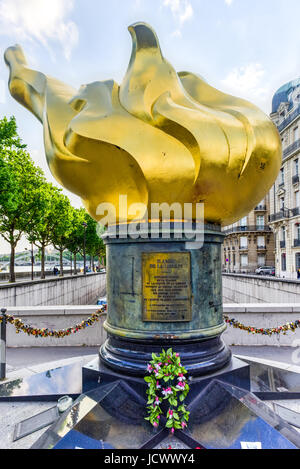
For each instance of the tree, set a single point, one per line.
(41, 231)
(75, 239)
(94, 242)
(22, 182)
(61, 231)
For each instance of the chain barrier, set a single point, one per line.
(44, 332)
(290, 326)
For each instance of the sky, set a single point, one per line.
(248, 48)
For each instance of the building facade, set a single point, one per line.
(284, 218)
(249, 243)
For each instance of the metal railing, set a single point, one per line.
(295, 211)
(289, 119)
(243, 229)
(291, 148)
(260, 208)
(283, 213)
(296, 242)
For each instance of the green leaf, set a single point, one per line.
(169, 423)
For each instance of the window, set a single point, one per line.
(297, 231)
(243, 242)
(281, 180)
(244, 221)
(296, 134)
(297, 260)
(261, 241)
(244, 260)
(261, 259)
(283, 262)
(283, 233)
(281, 203)
(296, 167)
(260, 222)
(297, 199)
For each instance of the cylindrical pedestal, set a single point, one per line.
(161, 293)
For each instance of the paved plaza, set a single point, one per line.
(22, 362)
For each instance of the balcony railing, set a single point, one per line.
(289, 119)
(295, 211)
(261, 247)
(296, 242)
(291, 148)
(243, 248)
(242, 229)
(283, 213)
(260, 208)
(295, 179)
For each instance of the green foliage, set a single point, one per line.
(166, 382)
(32, 206)
(21, 184)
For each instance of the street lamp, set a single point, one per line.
(84, 224)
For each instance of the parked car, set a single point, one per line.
(101, 301)
(265, 270)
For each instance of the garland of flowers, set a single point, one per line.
(290, 326)
(167, 368)
(21, 327)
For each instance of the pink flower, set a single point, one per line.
(156, 402)
(158, 385)
(180, 385)
(170, 413)
(155, 424)
(183, 424)
(149, 368)
(172, 430)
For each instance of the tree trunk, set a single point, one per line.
(71, 259)
(12, 275)
(61, 273)
(75, 265)
(93, 265)
(43, 261)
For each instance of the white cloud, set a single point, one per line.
(246, 79)
(248, 82)
(182, 10)
(228, 2)
(39, 20)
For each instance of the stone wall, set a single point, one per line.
(63, 317)
(68, 290)
(239, 288)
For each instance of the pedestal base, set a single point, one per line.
(96, 374)
(131, 357)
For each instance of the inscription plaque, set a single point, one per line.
(166, 286)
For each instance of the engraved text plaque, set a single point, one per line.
(166, 286)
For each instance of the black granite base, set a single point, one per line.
(130, 357)
(97, 374)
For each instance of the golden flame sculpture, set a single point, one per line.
(160, 137)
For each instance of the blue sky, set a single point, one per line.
(245, 47)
